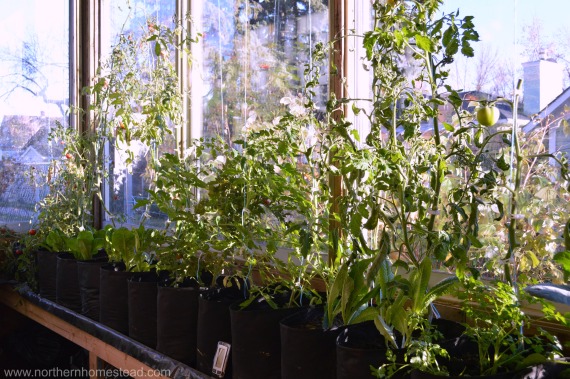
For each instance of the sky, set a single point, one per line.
(497, 21)
(500, 22)
(45, 23)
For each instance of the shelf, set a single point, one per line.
(102, 343)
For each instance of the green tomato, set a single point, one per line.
(488, 115)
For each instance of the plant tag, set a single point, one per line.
(221, 359)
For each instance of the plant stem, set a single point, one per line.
(517, 182)
(439, 166)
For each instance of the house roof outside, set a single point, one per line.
(25, 138)
(561, 101)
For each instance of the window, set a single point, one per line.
(130, 174)
(34, 95)
(250, 56)
(253, 54)
(526, 41)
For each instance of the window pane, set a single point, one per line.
(254, 54)
(34, 95)
(129, 181)
(527, 41)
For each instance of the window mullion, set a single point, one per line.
(85, 19)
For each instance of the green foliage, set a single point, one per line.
(393, 219)
(349, 295)
(256, 203)
(395, 178)
(291, 160)
(136, 91)
(55, 241)
(527, 185)
(421, 354)
(496, 324)
(86, 244)
(74, 181)
(135, 247)
(261, 200)
(404, 302)
(135, 99)
(563, 259)
(179, 193)
(8, 257)
(417, 193)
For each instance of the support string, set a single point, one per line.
(221, 67)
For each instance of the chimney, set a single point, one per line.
(543, 82)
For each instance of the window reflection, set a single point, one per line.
(34, 95)
(128, 180)
(254, 54)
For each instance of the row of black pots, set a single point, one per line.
(310, 352)
(160, 316)
(126, 303)
(107, 293)
(307, 351)
(304, 351)
(71, 283)
(187, 323)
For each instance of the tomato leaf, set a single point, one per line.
(502, 163)
(448, 35)
(425, 43)
(475, 242)
(500, 208)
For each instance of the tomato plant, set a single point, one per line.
(488, 115)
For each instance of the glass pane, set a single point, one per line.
(34, 95)
(523, 41)
(130, 175)
(254, 54)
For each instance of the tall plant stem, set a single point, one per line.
(516, 167)
(439, 167)
(393, 126)
(402, 190)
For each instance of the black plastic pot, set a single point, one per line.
(463, 361)
(114, 297)
(358, 347)
(308, 351)
(463, 352)
(89, 276)
(214, 325)
(67, 284)
(417, 374)
(47, 273)
(142, 295)
(256, 341)
(548, 370)
(450, 330)
(177, 319)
